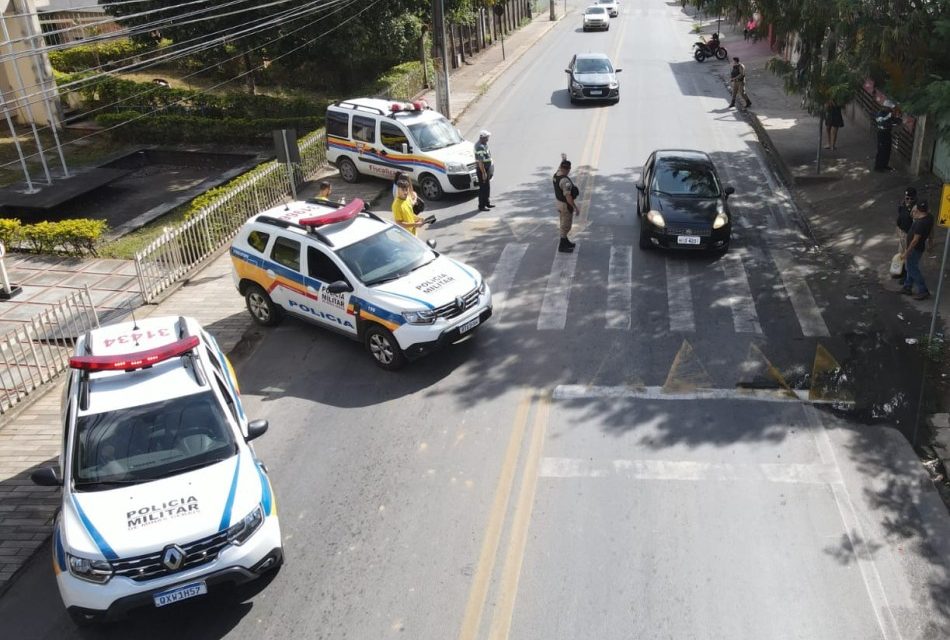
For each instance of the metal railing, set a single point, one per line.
(181, 250)
(35, 353)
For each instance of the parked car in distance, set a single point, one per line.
(591, 76)
(682, 203)
(596, 17)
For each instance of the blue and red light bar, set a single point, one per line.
(344, 213)
(133, 361)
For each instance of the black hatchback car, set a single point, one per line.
(682, 203)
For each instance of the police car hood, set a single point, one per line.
(463, 152)
(436, 284)
(144, 518)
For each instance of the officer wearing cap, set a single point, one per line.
(485, 171)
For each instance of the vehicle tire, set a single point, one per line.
(262, 309)
(348, 170)
(608, 28)
(573, 99)
(645, 243)
(383, 348)
(721, 53)
(585, 29)
(430, 187)
(699, 55)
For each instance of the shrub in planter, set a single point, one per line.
(10, 230)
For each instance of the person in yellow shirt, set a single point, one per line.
(325, 190)
(403, 214)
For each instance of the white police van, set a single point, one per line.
(163, 497)
(350, 271)
(380, 137)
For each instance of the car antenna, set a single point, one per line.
(135, 323)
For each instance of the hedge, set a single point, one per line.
(72, 237)
(165, 129)
(88, 56)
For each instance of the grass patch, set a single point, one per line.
(131, 243)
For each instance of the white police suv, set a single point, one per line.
(348, 270)
(163, 497)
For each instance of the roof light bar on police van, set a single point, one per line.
(138, 360)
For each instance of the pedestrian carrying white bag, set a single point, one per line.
(897, 264)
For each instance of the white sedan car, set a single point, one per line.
(596, 17)
(612, 7)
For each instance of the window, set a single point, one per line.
(258, 240)
(392, 136)
(364, 129)
(321, 267)
(286, 252)
(338, 124)
(679, 178)
(435, 134)
(228, 399)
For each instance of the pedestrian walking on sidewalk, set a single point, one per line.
(919, 233)
(486, 171)
(565, 193)
(886, 119)
(737, 76)
(904, 221)
(833, 122)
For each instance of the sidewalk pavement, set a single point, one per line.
(849, 210)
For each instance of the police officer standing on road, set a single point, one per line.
(565, 192)
(737, 76)
(485, 171)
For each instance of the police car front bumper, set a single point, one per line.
(449, 336)
(463, 181)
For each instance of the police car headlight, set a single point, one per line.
(419, 317)
(481, 288)
(656, 219)
(721, 220)
(455, 167)
(98, 571)
(241, 531)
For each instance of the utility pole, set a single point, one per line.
(553, 12)
(441, 59)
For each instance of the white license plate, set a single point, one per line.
(180, 593)
(468, 326)
(596, 93)
(687, 239)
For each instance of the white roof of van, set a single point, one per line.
(375, 105)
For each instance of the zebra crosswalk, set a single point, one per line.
(697, 292)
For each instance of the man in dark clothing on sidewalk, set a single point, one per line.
(904, 220)
(920, 231)
(485, 170)
(886, 119)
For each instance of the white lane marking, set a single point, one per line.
(809, 316)
(504, 275)
(744, 317)
(679, 296)
(619, 287)
(557, 292)
(595, 392)
(856, 536)
(690, 471)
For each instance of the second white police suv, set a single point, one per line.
(355, 273)
(163, 496)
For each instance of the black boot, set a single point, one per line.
(569, 243)
(565, 246)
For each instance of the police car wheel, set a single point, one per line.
(645, 243)
(430, 187)
(261, 307)
(348, 170)
(384, 349)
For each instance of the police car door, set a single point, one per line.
(364, 135)
(395, 145)
(288, 289)
(332, 308)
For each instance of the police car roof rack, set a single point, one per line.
(360, 107)
(286, 224)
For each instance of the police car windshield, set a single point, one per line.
(435, 134)
(147, 442)
(385, 256)
(685, 178)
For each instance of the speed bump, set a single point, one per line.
(826, 379)
(758, 372)
(686, 373)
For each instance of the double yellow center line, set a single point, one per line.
(518, 537)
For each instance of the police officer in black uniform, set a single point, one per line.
(886, 120)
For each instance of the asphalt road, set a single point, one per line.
(561, 475)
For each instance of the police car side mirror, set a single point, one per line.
(431, 243)
(46, 477)
(255, 429)
(340, 286)
(729, 190)
(641, 186)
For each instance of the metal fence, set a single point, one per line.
(36, 352)
(181, 250)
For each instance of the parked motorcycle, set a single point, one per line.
(711, 49)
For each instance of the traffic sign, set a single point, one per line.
(944, 215)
